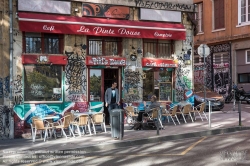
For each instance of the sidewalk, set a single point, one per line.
(220, 123)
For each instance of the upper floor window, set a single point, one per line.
(43, 43)
(221, 58)
(157, 48)
(243, 11)
(104, 46)
(248, 56)
(199, 17)
(219, 14)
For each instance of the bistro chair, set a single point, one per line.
(200, 109)
(41, 125)
(82, 121)
(98, 119)
(171, 113)
(153, 116)
(131, 116)
(186, 110)
(64, 123)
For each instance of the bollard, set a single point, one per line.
(209, 106)
(158, 122)
(121, 124)
(239, 111)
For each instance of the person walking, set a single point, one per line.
(112, 98)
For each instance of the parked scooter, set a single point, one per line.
(240, 95)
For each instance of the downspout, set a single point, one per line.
(11, 135)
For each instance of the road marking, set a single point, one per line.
(125, 155)
(192, 146)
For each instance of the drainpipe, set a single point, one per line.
(11, 135)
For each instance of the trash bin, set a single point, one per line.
(117, 123)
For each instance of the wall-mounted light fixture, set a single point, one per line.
(76, 10)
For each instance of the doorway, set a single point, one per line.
(99, 81)
(109, 75)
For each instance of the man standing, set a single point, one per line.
(112, 98)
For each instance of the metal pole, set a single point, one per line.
(11, 135)
(158, 133)
(239, 109)
(234, 101)
(204, 58)
(209, 106)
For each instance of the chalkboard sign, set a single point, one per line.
(165, 91)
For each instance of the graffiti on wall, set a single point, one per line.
(164, 5)
(77, 97)
(132, 85)
(4, 122)
(37, 89)
(182, 81)
(221, 81)
(198, 74)
(6, 86)
(74, 72)
(1, 88)
(17, 88)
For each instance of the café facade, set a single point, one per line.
(66, 61)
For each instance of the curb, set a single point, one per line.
(156, 139)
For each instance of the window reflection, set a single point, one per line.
(42, 83)
(95, 85)
(158, 82)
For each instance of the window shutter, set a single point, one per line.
(219, 15)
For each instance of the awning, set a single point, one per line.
(47, 23)
(157, 62)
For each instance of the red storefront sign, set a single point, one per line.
(154, 62)
(33, 22)
(105, 61)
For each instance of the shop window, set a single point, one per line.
(219, 14)
(199, 17)
(244, 78)
(42, 83)
(248, 56)
(104, 46)
(158, 82)
(43, 43)
(157, 48)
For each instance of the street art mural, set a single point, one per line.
(75, 73)
(104, 10)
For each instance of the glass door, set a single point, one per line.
(95, 85)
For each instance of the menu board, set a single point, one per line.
(165, 91)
